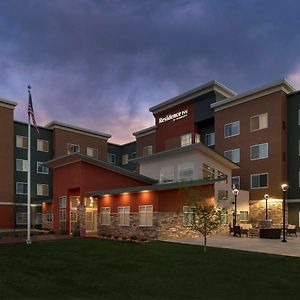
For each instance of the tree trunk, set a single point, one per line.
(204, 249)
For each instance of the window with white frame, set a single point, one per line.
(222, 195)
(210, 139)
(167, 174)
(92, 152)
(62, 215)
(186, 139)
(105, 215)
(146, 215)
(235, 181)
(124, 215)
(188, 215)
(233, 155)
(111, 158)
(49, 217)
(259, 151)
(224, 218)
(21, 141)
(147, 150)
(223, 176)
(72, 148)
(232, 129)
(133, 155)
(21, 218)
(244, 215)
(259, 122)
(42, 145)
(185, 172)
(125, 159)
(208, 172)
(62, 202)
(259, 180)
(22, 165)
(38, 218)
(21, 188)
(42, 189)
(41, 169)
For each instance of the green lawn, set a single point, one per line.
(99, 269)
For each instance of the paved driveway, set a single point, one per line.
(255, 244)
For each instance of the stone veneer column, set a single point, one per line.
(81, 209)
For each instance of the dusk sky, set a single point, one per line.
(102, 64)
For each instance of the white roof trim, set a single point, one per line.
(145, 131)
(7, 103)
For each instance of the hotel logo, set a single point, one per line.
(174, 117)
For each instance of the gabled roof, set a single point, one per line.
(7, 103)
(197, 146)
(281, 85)
(77, 157)
(60, 125)
(198, 91)
(155, 187)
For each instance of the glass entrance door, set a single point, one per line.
(91, 220)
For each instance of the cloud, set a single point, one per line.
(294, 77)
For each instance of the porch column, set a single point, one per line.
(81, 219)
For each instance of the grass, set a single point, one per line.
(101, 269)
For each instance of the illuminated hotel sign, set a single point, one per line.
(174, 117)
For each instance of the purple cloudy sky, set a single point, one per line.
(102, 64)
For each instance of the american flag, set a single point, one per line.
(31, 111)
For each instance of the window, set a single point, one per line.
(125, 159)
(49, 217)
(224, 218)
(105, 215)
(259, 151)
(21, 218)
(21, 188)
(232, 129)
(42, 145)
(222, 195)
(111, 158)
(38, 218)
(210, 139)
(208, 172)
(133, 155)
(197, 138)
(41, 169)
(259, 181)
(42, 189)
(73, 148)
(146, 215)
(124, 215)
(185, 172)
(22, 165)
(233, 155)
(244, 215)
(186, 139)
(222, 175)
(235, 181)
(62, 202)
(92, 152)
(147, 150)
(188, 215)
(21, 141)
(259, 122)
(62, 215)
(167, 174)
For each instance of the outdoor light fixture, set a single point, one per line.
(235, 192)
(266, 196)
(284, 188)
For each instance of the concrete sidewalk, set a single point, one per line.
(270, 246)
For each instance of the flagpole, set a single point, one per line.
(28, 241)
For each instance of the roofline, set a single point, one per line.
(121, 145)
(39, 126)
(198, 91)
(281, 85)
(97, 162)
(145, 131)
(155, 187)
(7, 103)
(197, 146)
(60, 125)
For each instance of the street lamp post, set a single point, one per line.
(235, 192)
(284, 188)
(266, 196)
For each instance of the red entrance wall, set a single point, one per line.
(80, 177)
(7, 220)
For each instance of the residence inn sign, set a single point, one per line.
(174, 117)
